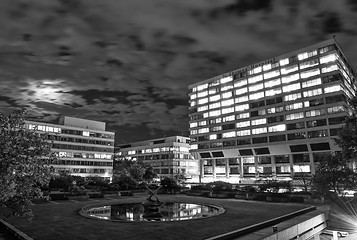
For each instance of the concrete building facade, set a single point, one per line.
(169, 156)
(83, 147)
(271, 120)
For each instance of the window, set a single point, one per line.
(326, 49)
(274, 100)
(292, 97)
(193, 96)
(273, 92)
(216, 144)
(330, 68)
(267, 67)
(310, 73)
(309, 64)
(215, 128)
(259, 130)
(293, 106)
(336, 120)
(229, 134)
(277, 138)
(213, 137)
(226, 79)
(214, 113)
(202, 101)
(214, 83)
(202, 94)
(228, 143)
(201, 87)
(284, 61)
(214, 98)
(259, 121)
(203, 130)
(244, 141)
(255, 70)
(241, 107)
(275, 109)
(227, 95)
(272, 83)
(241, 91)
(314, 102)
(283, 169)
(202, 108)
(257, 104)
(213, 91)
(335, 99)
(228, 126)
(311, 83)
(276, 119)
(229, 118)
(301, 157)
(335, 109)
(215, 105)
(241, 99)
(297, 135)
(314, 113)
(271, 74)
(320, 146)
(301, 168)
(226, 87)
(227, 110)
(291, 87)
(316, 123)
(243, 124)
(240, 83)
(215, 120)
(255, 87)
(227, 102)
(333, 88)
(243, 133)
(202, 123)
(242, 115)
(289, 69)
(312, 92)
(277, 128)
(305, 55)
(255, 79)
(256, 95)
(290, 78)
(260, 140)
(294, 116)
(317, 134)
(282, 159)
(328, 58)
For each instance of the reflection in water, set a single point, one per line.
(165, 212)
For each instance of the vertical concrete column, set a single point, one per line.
(273, 166)
(214, 168)
(312, 163)
(227, 168)
(291, 165)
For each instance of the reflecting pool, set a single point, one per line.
(138, 212)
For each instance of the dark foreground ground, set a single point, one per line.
(59, 220)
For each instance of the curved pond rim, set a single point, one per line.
(83, 212)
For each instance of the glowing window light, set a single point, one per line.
(259, 130)
(229, 134)
(214, 98)
(241, 83)
(291, 87)
(290, 78)
(272, 74)
(333, 88)
(310, 73)
(284, 61)
(255, 78)
(243, 133)
(272, 83)
(226, 79)
(277, 128)
(259, 121)
(328, 58)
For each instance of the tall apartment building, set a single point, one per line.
(273, 119)
(83, 147)
(169, 156)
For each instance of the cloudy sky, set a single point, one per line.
(129, 62)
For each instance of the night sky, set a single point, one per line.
(129, 62)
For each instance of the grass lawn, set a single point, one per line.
(62, 221)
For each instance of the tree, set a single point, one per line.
(137, 170)
(25, 158)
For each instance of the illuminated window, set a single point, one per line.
(301, 168)
(290, 78)
(243, 133)
(227, 102)
(291, 87)
(85, 133)
(272, 74)
(241, 107)
(193, 96)
(330, 68)
(255, 70)
(193, 132)
(294, 116)
(241, 83)
(242, 115)
(202, 123)
(259, 121)
(275, 109)
(201, 87)
(227, 95)
(241, 91)
(193, 124)
(203, 130)
(241, 99)
(255, 87)
(310, 73)
(273, 92)
(214, 113)
(314, 113)
(272, 83)
(213, 137)
(212, 91)
(333, 88)
(284, 61)
(293, 106)
(227, 110)
(214, 98)
(214, 83)
(255, 78)
(328, 58)
(289, 69)
(205, 115)
(214, 105)
(226, 79)
(255, 96)
(226, 87)
(229, 118)
(259, 130)
(229, 134)
(243, 124)
(193, 103)
(311, 83)
(335, 109)
(203, 101)
(267, 67)
(292, 97)
(277, 128)
(194, 89)
(305, 55)
(312, 92)
(202, 108)
(309, 64)
(202, 94)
